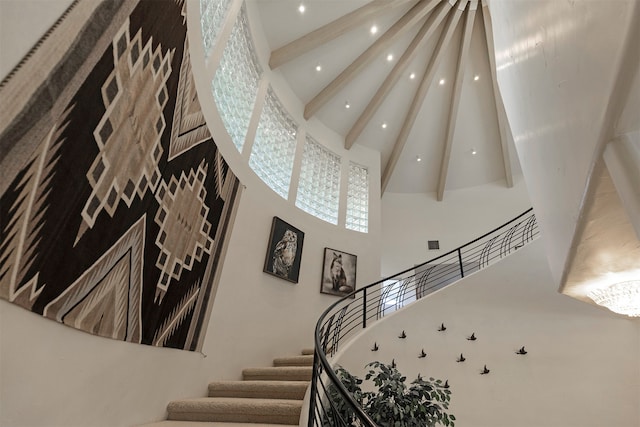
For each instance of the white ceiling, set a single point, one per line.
(475, 121)
(569, 72)
(560, 62)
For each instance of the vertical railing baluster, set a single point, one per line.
(460, 261)
(314, 388)
(364, 308)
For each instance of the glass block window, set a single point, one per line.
(358, 199)
(212, 13)
(319, 183)
(235, 84)
(274, 146)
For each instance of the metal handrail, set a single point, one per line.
(355, 311)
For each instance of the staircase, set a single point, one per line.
(270, 396)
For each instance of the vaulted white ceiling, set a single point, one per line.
(561, 87)
(420, 87)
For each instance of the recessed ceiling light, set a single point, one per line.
(347, 105)
(384, 126)
(390, 57)
(476, 77)
(374, 29)
(412, 76)
(301, 8)
(474, 152)
(418, 159)
(441, 82)
(318, 67)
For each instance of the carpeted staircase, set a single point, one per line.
(265, 397)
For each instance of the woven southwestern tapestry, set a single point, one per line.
(115, 204)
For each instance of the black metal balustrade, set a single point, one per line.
(345, 318)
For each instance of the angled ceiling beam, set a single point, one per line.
(455, 100)
(503, 124)
(425, 33)
(408, 20)
(418, 99)
(330, 31)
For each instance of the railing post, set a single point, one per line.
(314, 389)
(364, 308)
(460, 261)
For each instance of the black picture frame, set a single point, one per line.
(338, 272)
(285, 242)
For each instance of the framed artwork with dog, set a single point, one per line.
(285, 251)
(338, 273)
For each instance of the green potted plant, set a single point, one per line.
(393, 404)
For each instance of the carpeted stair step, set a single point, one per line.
(305, 360)
(307, 351)
(259, 389)
(267, 397)
(278, 373)
(207, 424)
(236, 410)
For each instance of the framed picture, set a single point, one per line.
(284, 251)
(338, 273)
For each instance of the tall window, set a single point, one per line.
(274, 146)
(235, 84)
(319, 183)
(272, 152)
(358, 198)
(213, 13)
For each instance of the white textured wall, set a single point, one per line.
(410, 220)
(257, 316)
(558, 63)
(22, 23)
(56, 376)
(582, 365)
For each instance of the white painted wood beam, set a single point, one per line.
(455, 100)
(406, 22)
(428, 29)
(330, 31)
(418, 99)
(503, 123)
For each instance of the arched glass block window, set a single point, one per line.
(274, 146)
(212, 14)
(235, 88)
(319, 183)
(235, 84)
(358, 198)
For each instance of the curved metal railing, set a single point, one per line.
(331, 404)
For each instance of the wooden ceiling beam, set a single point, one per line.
(425, 33)
(455, 100)
(406, 22)
(330, 31)
(503, 123)
(418, 99)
